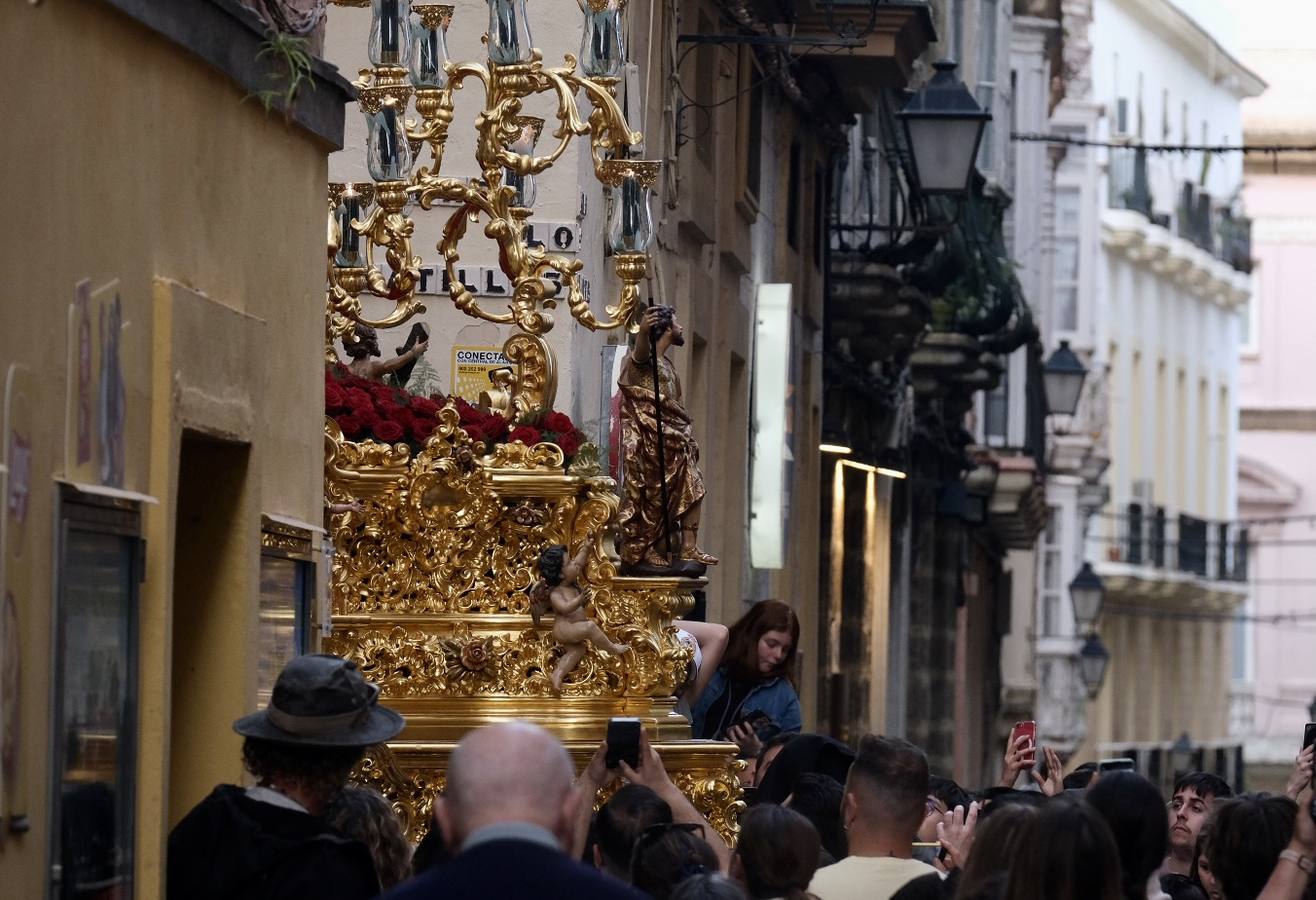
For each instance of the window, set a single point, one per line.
(1249, 326)
(793, 198)
(700, 117)
(1065, 266)
(287, 585)
(94, 718)
(996, 413)
(1053, 575)
(749, 119)
(819, 214)
(987, 78)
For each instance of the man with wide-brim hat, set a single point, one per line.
(269, 841)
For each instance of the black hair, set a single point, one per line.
(1081, 777)
(777, 740)
(622, 819)
(1204, 784)
(948, 792)
(356, 343)
(818, 798)
(778, 849)
(552, 560)
(666, 855)
(319, 772)
(1247, 834)
(666, 315)
(995, 799)
(432, 851)
(708, 887)
(924, 887)
(1135, 811)
(893, 773)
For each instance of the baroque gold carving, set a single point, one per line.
(412, 776)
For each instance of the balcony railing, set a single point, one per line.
(1197, 219)
(1210, 550)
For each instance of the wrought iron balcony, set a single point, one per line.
(1210, 550)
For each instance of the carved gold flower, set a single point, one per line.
(475, 655)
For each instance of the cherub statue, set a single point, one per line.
(572, 628)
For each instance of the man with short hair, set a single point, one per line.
(269, 842)
(885, 799)
(1190, 805)
(508, 810)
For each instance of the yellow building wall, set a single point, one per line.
(127, 158)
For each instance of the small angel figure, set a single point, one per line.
(558, 590)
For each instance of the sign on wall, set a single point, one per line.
(471, 366)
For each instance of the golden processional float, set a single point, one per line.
(430, 578)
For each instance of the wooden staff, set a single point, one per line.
(662, 439)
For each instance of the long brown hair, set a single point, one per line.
(1070, 855)
(742, 653)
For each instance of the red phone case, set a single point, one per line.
(1028, 728)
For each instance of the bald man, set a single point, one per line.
(507, 811)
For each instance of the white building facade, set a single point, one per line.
(1156, 309)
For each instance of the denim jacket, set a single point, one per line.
(774, 697)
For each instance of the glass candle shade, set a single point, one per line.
(509, 32)
(429, 52)
(388, 155)
(390, 38)
(524, 185)
(602, 51)
(630, 224)
(351, 205)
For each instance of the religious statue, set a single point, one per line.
(664, 490)
(572, 628)
(365, 345)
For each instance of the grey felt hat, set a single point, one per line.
(322, 701)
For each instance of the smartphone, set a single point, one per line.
(623, 742)
(1309, 735)
(1122, 764)
(1029, 729)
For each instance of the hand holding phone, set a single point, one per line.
(1027, 730)
(623, 742)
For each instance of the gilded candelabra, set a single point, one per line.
(409, 56)
(433, 565)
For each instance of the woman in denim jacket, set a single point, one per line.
(756, 676)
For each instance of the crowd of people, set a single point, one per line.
(823, 820)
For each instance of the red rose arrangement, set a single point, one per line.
(369, 410)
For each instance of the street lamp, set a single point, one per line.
(1181, 755)
(1086, 592)
(1062, 380)
(1092, 662)
(943, 127)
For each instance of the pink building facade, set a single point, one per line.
(1275, 649)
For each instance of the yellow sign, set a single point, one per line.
(471, 367)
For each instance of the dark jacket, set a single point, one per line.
(230, 846)
(510, 869)
(775, 697)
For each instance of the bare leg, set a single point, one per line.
(600, 640)
(571, 658)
